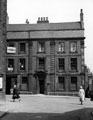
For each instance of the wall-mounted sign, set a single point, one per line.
(11, 49)
(1, 82)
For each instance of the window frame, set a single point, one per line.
(13, 67)
(43, 68)
(73, 87)
(73, 64)
(62, 83)
(74, 43)
(62, 47)
(41, 46)
(20, 64)
(22, 52)
(62, 65)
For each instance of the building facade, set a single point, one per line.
(45, 58)
(3, 10)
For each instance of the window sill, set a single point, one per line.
(40, 52)
(73, 52)
(61, 52)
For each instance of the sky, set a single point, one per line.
(56, 11)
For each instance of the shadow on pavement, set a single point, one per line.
(81, 114)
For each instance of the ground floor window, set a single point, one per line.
(24, 84)
(61, 83)
(73, 84)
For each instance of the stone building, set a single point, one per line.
(45, 58)
(3, 9)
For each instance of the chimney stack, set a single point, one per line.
(7, 20)
(43, 20)
(81, 19)
(81, 15)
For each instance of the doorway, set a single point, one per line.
(41, 85)
(10, 81)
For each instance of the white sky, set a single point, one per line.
(56, 11)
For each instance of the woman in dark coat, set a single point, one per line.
(15, 93)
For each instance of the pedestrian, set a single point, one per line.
(81, 95)
(15, 93)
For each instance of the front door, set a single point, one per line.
(41, 85)
(10, 81)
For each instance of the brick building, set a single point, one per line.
(3, 7)
(46, 58)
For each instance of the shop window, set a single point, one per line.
(22, 64)
(61, 63)
(41, 63)
(74, 64)
(22, 47)
(61, 47)
(73, 47)
(41, 46)
(61, 83)
(73, 85)
(10, 64)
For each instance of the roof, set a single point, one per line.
(45, 30)
(44, 26)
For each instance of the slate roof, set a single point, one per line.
(44, 26)
(45, 30)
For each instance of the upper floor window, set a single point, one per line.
(11, 47)
(61, 47)
(10, 63)
(73, 84)
(61, 63)
(61, 82)
(22, 62)
(41, 63)
(73, 63)
(73, 47)
(22, 47)
(41, 46)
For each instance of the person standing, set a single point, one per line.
(15, 93)
(81, 95)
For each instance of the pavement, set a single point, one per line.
(47, 104)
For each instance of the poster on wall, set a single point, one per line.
(1, 82)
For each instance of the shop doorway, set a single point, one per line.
(41, 85)
(10, 81)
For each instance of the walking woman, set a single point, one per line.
(15, 94)
(81, 95)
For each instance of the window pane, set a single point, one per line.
(61, 63)
(22, 64)
(73, 63)
(41, 63)
(22, 47)
(73, 47)
(10, 64)
(73, 83)
(61, 47)
(61, 81)
(10, 44)
(41, 47)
